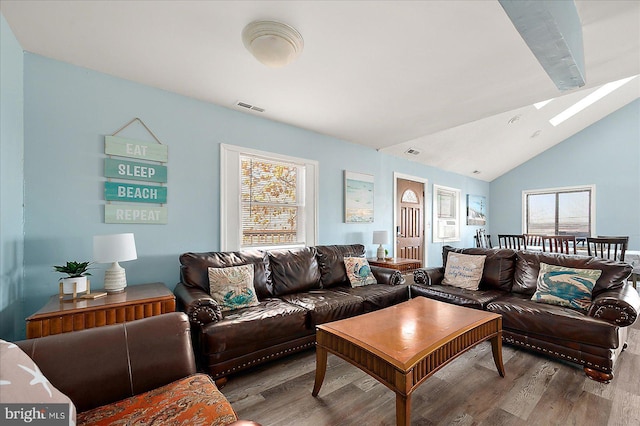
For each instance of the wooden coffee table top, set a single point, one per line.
(405, 333)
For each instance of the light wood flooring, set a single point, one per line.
(536, 391)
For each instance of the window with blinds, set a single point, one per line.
(272, 202)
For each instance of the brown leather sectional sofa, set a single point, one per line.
(593, 339)
(297, 289)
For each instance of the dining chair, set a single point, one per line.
(482, 239)
(511, 241)
(559, 244)
(608, 247)
(532, 240)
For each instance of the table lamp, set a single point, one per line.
(113, 249)
(380, 237)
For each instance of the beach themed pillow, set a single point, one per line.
(22, 382)
(563, 286)
(232, 287)
(359, 271)
(464, 270)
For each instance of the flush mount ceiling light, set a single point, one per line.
(273, 43)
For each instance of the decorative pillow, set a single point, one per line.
(560, 285)
(233, 287)
(22, 382)
(359, 271)
(464, 270)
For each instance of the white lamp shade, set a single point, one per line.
(273, 43)
(114, 248)
(380, 237)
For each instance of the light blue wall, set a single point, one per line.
(606, 154)
(69, 110)
(11, 190)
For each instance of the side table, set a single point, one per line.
(401, 264)
(136, 302)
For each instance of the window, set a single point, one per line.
(560, 211)
(267, 200)
(446, 214)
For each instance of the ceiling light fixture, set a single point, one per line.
(273, 43)
(589, 100)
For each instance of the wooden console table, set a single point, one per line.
(399, 263)
(136, 302)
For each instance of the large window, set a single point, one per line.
(446, 214)
(560, 211)
(267, 200)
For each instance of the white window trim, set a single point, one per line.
(592, 207)
(230, 195)
(457, 192)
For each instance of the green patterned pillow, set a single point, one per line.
(232, 287)
(559, 285)
(359, 271)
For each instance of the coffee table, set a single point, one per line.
(403, 345)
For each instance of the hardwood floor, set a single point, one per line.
(536, 391)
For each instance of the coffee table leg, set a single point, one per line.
(496, 347)
(321, 368)
(403, 410)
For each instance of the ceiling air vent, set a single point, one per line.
(412, 151)
(250, 107)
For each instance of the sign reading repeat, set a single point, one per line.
(135, 199)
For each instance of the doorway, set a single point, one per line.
(409, 217)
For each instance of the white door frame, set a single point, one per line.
(426, 222)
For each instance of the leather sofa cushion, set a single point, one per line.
(523, 315)
(331, 262)
(294, 270)
(528, 267)
(326, 305)
(194, 268)
(378, 296)
(250, 329)
(476, 299)
(499, 266)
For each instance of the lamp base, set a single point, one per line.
(115, 279)
(380, 253)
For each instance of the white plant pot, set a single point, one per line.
(67, 285)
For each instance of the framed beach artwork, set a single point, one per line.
(358, 198)
(476, 210)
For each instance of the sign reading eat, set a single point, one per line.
(123, 147)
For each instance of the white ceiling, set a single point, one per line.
(442, 77)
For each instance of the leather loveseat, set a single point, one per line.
(297, 289)
(593, 338)
(138, 372)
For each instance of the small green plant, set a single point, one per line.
(386, 252)
(74, 269)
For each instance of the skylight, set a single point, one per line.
(589, 100)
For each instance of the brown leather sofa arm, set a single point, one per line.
(619, 306)
(387, 275)
(197, 304)
(101, 365)
(428, 276)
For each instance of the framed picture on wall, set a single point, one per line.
(476, 210)
(446, 214)
(358, 197)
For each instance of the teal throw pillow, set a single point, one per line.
(571, 287)
(232, 287)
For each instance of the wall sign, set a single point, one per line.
(135, 203)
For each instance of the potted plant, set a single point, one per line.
(76, 273)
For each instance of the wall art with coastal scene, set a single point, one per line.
(358, 197)
(476, 210)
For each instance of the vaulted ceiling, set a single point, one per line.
(452, 80)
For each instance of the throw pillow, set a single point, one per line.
(359, 271)
(232, 287)
(464, 270)
(560, 285)
(22, 382)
